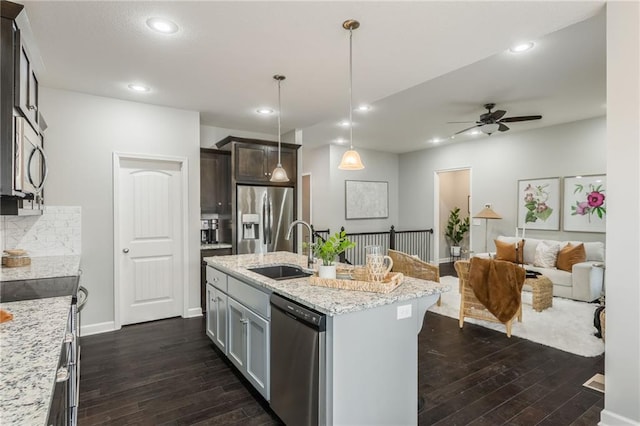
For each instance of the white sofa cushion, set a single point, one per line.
(557, 276)
(546, 254)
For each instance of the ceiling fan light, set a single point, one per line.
(490, 128)
(351, 161)
(279, 174)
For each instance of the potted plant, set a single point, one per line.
(456, 230)
(328, 250)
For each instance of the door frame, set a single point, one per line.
(184, 211)
(436, 208)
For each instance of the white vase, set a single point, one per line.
(327, 271)
(455, 251)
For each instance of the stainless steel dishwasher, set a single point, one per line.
(297, 362)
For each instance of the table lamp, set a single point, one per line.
(486, 213)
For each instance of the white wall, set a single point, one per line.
(328, 187)
(622, 348)
(210, 135)
(497, 163)
(83, 133)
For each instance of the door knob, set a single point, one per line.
(125, 251)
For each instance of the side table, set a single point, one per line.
(542, 292)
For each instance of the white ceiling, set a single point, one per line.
(419, 64)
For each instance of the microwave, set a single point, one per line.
(28, 167)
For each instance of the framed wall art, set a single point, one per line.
(585, 206)
(539, 204)
(366, 199)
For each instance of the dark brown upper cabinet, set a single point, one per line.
(215, 181)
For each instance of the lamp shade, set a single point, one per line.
(351, 161)
(490, 128)
(487, 213)
(279, 174)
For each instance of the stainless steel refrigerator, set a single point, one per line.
(264, 214)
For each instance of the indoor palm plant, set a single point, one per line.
(456, 230)
(328, 250)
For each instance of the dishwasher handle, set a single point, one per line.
(298, 312)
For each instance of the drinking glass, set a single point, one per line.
(375, 264)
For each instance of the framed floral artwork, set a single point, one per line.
(585, 203)
(539, 204)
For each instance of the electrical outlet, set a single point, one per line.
(404, 311)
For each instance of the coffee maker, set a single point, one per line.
(209, 229)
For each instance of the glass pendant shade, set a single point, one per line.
(279, 174)
(490, 128)
(351, 161)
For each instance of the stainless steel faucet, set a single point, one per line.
(302, 222)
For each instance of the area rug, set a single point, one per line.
(567, 325)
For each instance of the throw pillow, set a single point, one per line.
(507, 251)
(569, 255)
(546, 254)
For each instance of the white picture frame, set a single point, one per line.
(585, 204)
(539, 204)
(366, 199)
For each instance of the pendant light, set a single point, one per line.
(279, 174)
(351, 159)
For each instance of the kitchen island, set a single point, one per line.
(31, 342)
(369, 372)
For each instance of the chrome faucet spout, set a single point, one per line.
(302, 222)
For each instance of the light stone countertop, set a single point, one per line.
(330, 301)
(30, 349)
(43, 267)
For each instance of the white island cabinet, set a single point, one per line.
(370, 372)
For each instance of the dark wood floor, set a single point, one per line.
(168, 372)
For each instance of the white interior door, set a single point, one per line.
(151, 238)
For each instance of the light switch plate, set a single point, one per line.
(404, 311)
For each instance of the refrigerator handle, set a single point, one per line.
(264, 220)
(269, 213)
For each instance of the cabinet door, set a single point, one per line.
(215, 182)
(257, 362)
(220, 338)
(26, 85)
(211, 317)
(287, 159)
(236, 339)
(251, 161)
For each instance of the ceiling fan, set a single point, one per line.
(490, 122)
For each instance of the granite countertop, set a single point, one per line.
(31, 345)
(330, 301)
(215, 246)
(43, 267)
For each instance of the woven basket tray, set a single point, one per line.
(15, 261)
(390, 283)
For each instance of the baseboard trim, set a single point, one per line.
(608, 418)
(194, 312)
(102, 327)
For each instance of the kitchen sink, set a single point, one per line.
(281, 272)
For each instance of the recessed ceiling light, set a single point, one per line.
(436, 140)
(475, 132)
(522, 47)
(345, 123)
(162, 25)
(340, 141)
(363, 108)
(265, 111)
(138, 88)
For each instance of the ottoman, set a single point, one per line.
(542, 289)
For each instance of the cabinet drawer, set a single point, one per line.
(217, 278)
(249, 296)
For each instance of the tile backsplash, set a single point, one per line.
(56, 232)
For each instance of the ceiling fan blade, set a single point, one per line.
(523, 118)
(498, 114)
(502, 127)
(469, 128)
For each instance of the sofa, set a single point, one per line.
(585, 281)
